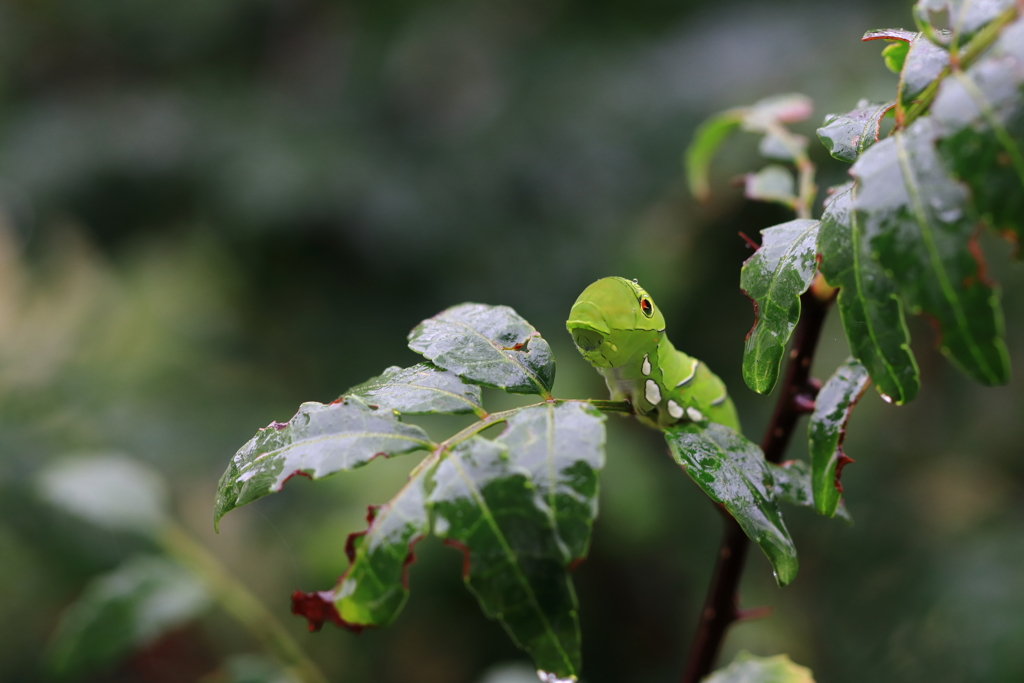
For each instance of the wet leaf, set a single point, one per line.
(924, 63)
(774, 278)
(747, 668)
(869, 306)
(981, 112)
(128, 608)
(111, 491)
(706, 141)
(733, 471)
(422, 388)
(374, 588)
(485, 505)
(487, 345)
(919, 222)
(793, 486)
(832, 409)
(964, 17)
(847, 135)
(562, 446)
(772, 184)
(318, 441)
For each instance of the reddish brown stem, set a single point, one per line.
(720, 606)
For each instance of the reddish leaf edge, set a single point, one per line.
(318, 607)
(899, 34)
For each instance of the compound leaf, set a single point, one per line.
(847, 135)
(774, 278)
(733, 472)
(562, 446)
(747, 668)
(487, 345)
(920, 223)
(514, 564)
(832, 409)
(870, 309)
(130, 607)
(422, 388)
(318, 441)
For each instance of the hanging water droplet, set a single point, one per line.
(885, 397)
(547, 677)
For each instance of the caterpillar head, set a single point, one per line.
(613, 321)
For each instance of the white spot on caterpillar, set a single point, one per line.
(646, 367)
(694, 414)
(674, 409)
(693, 373)
(651, 392)
(721, 399)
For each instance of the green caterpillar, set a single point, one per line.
(620, 331)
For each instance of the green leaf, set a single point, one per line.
(847, 135)
(981, 113)
(486, 506)
(747, 668)
(793, 486)
(128, 608)
(113, 492)
(374, 588)
(487, 345)
(706, 141)
(772, 183)
(422, 388)
(832, 409)
(924, 63)
(562, 446)
(774, 278)
(895, 55)
(919, 221)
(964, 17)
(733, 472)
(758, 118)
(318, 441)
(870, 309)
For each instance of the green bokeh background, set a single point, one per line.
(213, 210)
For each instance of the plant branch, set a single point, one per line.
(720, 605)
(240, 603)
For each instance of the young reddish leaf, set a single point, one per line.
(920, 223)
(485, 505)
(832, 409)
(733, 472)
(869, 306)
(318, 441)
(847, 135)
(774, 278)
(488, 345)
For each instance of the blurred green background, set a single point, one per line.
(213, 210)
